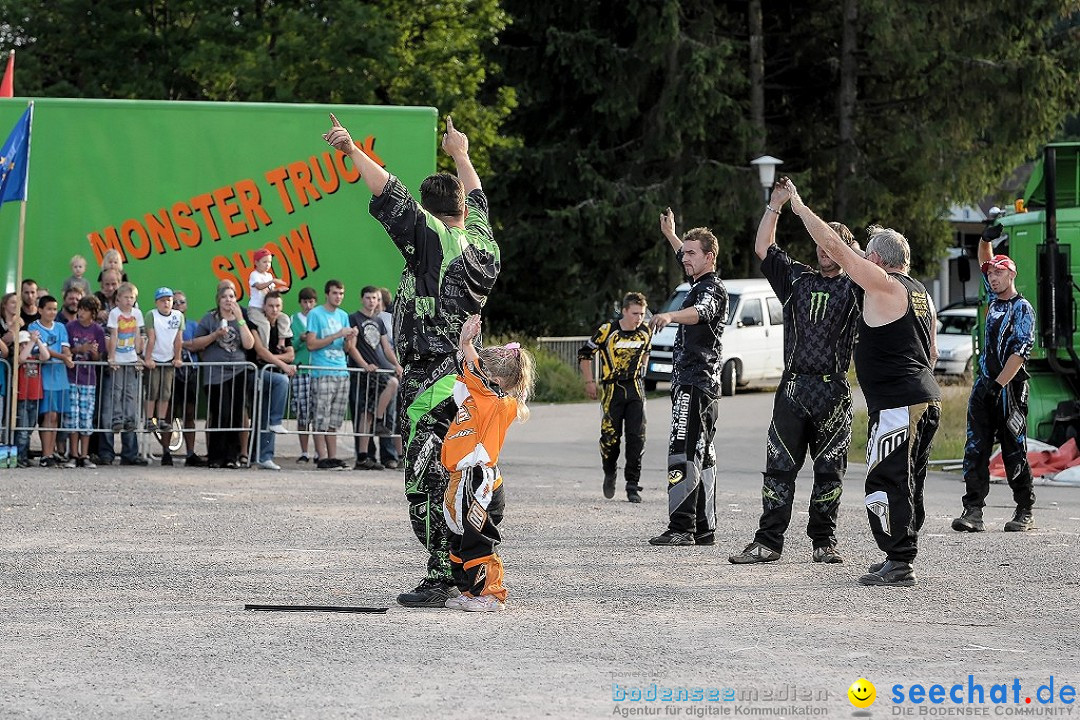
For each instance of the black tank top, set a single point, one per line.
(893, 361)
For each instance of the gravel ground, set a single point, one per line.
(122, 594)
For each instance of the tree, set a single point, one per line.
(382, 52)
(622, 115)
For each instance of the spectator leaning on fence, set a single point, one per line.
(329, 338)
(275, 362)
(164, 340)
(87, 345)
(30, 390)
(222, 337)
(301, 381)
(54, 380)
(125, 343)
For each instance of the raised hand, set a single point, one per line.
(787, 185)
(454, 142)
(781, 194)
(339, 137)
(667, 222)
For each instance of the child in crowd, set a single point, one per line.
(492, 388)
(77, 279)
(30, 391)
(164, 340)
(301, 381)
(54, 379)
(113, 260)
(260, 282)
(87, 344)
(125, 344)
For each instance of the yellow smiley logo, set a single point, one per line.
(862, 693)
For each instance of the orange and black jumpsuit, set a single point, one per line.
(622, 394)
(473, 504)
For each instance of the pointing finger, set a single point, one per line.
(334, 120)
(449, 124)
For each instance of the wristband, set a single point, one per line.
(770, 208)
(241, 323)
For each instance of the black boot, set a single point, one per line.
(894, 573)
(971, 520)
(1021, 521)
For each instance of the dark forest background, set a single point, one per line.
(588, 118)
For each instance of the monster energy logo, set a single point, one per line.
(819, 301)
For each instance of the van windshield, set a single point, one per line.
(677, 299)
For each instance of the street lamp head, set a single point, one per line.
(766, 165)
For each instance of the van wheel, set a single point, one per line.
(727, 379)
(650, 385)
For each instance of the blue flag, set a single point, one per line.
(14, 159)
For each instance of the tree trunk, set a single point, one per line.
(847, 153)
(757, 80)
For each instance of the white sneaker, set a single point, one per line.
(279, 429)
(456, 602)
(269, 465)
(483, 603)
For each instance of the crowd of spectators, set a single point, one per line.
(92, 364)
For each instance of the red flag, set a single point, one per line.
(7, 87)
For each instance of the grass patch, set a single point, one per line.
(951, 435)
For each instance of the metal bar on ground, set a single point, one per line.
(317, 608)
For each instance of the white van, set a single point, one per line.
(753, 340)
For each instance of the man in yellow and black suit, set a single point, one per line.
(623, 347)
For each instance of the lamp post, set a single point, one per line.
(766, 167)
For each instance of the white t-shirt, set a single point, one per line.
(165, 329)
(258, 296)
(127, 327)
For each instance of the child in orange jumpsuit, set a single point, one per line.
(492, 388)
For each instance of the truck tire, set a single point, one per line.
(727, 379)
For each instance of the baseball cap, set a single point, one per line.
(260, 254)
(24, 336)
(162, 292)
(999, 261)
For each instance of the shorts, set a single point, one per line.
(301, 401)
(57, 401)
(80, 416)
(331, 396)
(160, 381)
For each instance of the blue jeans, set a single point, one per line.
(275, 390)
(26, 416)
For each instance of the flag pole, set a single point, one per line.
(14, 391)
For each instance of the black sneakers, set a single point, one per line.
(705, 538)
(609, 485)
(429, 593)
(827, 554)
(971, 520)
(673, 538)
(1021, 521)
(755, 552)
(892, 573)
(633, 493)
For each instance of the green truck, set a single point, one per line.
(1040, 235)
(187, 191)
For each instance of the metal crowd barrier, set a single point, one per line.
(364, 389)
(227, 402)
(219, 393)
(565, 348)
(5, 406)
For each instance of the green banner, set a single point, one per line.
(188, 191)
